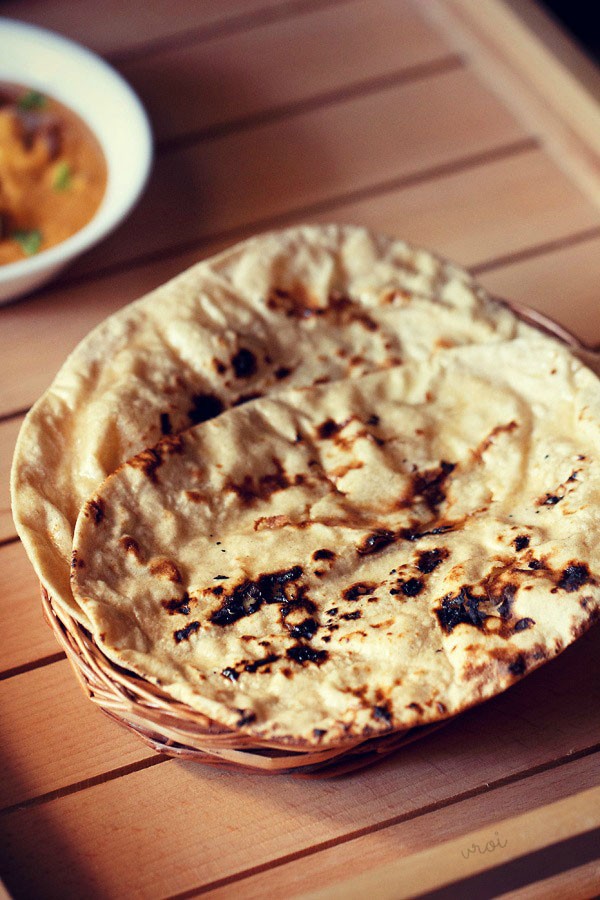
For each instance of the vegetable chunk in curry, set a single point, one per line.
(52, 173)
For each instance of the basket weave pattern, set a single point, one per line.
(173, 728)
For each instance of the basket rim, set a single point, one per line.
(171, 727)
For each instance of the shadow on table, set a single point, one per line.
(39, 857)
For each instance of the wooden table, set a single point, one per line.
(458, 125)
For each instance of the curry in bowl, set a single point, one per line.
(52, 173)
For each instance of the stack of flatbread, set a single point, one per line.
(318, 488)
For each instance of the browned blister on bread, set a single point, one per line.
(310, 305)
(344, 560)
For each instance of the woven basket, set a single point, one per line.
(173, 728)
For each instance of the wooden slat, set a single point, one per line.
(562, 283)
(268, 170)
(326, 868)
(579, 883)
(8, 436)
(200, 825)
(489, 211)
(79, 742)
(124, 25)
(202, 85)
(24, 635)
(542, 76)
(483, 212)
(549, 715)
(537, 831)
(432, 157)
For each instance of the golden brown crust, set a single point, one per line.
(454, 559)
(312, 304)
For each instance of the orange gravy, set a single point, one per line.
(52, 173)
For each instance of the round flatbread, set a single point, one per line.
(344, 560)
(298, 307)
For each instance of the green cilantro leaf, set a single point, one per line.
(29, 241)
(62, 177)
(32, 100)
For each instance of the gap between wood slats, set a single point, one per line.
(24, 636)
(517, 256)
(401, 844)
(34, 664)
(465, 747)
(485, 266)
(191, 88)
(381, 826)
(258, 18)
(571, 240)
(143, 851)
(555, 859)
(111, 775)
(113, 26)
(67, 718)
(262, 17)
(380, 189)
(318, 101)
(528, 253)
(403, 129)
(549, 839)
(12, 415)
(377, 190)
(327, 205)
(123, 771)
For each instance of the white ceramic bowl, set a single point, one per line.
(52, 64)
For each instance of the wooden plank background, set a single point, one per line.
(265, 113)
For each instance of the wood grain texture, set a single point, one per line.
(562, 283)
(491, 210)
(24, 635)
(271, 112)
(548, 716)
(266, 70)
(246, 177)
(370, 852)
(562, 679)
(537, 835)
(79, 742)
(519, 51)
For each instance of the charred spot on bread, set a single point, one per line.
(183, 634)
(460, 609)
(301, 653)
(95, 510)
(244, 363)
(204, 407)
(376, 541)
